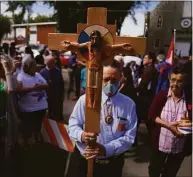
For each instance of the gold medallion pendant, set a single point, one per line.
(109, 119)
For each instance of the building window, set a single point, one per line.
(33, 32)
(159, 22)
(156, 43)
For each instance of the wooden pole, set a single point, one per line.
(146, 30)
(67, 164)
(174, 53)
(93, 100)
(174, 40)
(90, 168)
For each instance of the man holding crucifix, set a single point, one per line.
(103, 122)
(117, 133)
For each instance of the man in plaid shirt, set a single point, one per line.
(169, 145)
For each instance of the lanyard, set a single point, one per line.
(108, 118)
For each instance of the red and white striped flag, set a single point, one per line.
(56, 133)
(170, 56)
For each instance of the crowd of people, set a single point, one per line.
(31, 89)
(154, 92)
(160, 98)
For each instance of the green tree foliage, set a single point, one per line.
(18, 18)
(12, 7)
(42, 18)
(5, 26)
(25, 7)
(72, 12)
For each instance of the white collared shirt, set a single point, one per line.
(117, 137)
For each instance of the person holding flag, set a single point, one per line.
(165, 65)
(163, 68)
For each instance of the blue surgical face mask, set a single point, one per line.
(111, 88)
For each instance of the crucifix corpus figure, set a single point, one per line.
(99, 54)
(96, 44)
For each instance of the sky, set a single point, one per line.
(128, 27)
(38, 8)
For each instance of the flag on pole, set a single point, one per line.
(146, 31)
(170, 55)
(56, 133)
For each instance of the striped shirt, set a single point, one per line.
(172, 112)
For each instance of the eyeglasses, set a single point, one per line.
(173, 80)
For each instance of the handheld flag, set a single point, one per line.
(170, 55)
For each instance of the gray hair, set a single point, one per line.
(160, 58)
(27, 64)
(25, 57)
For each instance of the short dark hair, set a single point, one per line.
(115, 64)
(178, 68)
(55, 52)
(28, 50)
(152, 56)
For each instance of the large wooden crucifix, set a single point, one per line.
(95, 43)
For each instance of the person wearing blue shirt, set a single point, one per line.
(83, 81)
(55, 92)
(117, 128)
(163, 69)
(71, 73)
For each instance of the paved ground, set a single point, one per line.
(48, 161)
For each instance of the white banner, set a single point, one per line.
(182, 48)
(20, 33)
(187, 9)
